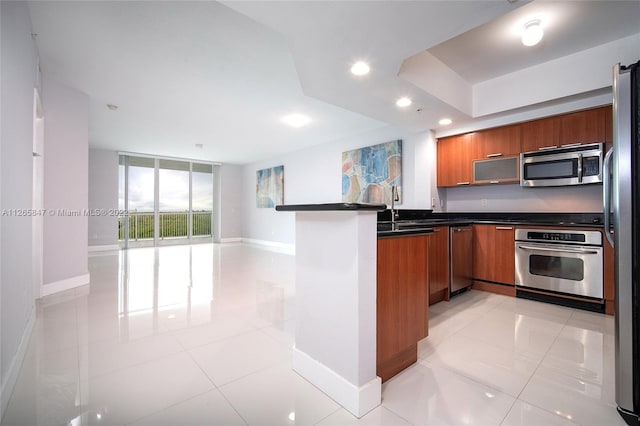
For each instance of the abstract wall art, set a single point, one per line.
(270, 187)
(368, 173)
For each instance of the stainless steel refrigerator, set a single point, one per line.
(622, 198)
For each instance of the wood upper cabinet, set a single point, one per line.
(582, 127)
(494, 253)
(439, 264)
(457, 153)
(588, 126)
(498, 142)
(454, 160)
(541, 134)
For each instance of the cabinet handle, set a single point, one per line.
(571, 145)
(544, 148)
(504, 228)
(497, 154)
(462, 183)
(494, 181)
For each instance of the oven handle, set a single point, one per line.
(578, 251)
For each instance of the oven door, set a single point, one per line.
(575, 270)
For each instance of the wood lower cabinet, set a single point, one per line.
(402, 301)
(439, 265)
(494, 254)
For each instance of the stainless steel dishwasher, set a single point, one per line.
(460, 258)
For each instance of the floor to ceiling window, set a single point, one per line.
(167, 200)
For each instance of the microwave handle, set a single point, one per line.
(579, 168)
(606, 194)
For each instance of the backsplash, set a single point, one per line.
(514, 198)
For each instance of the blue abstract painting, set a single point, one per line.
(270, 187)
(368, 173)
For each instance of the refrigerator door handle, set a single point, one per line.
(606, 195)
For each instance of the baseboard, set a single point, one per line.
(230, 240)
(106, 247)
(11, 377)
(62, 285)
(357, 400)
(272, 245)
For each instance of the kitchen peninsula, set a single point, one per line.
(355, 324)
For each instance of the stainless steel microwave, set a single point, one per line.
(569, 165)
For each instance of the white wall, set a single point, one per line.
(18, 78)
(314, 175)
(103, 197)
(65, 186)
(578, 73)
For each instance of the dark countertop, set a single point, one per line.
(330, 207)
(413, 222)
(426, 217)
(394, 233)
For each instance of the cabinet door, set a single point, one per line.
(454, 160)
(493, 253)
(403, 296)
(504, 261)
(583, 126)
(541, 134)
(499, 142)
(439, 265)
(496, 170)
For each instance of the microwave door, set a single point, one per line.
(550, 172)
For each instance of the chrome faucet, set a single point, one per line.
(394, 197)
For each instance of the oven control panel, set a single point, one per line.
(560, 237)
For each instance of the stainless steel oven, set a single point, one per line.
(562, 261)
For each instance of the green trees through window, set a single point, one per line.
(165, 199)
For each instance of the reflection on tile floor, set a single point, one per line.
(202, 335)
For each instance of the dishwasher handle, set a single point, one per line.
(461, 229)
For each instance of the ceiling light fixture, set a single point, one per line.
(445, 121)
(360, 68)
(296, 120)
(403, 102)
(532, 33)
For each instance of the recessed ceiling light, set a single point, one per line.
(532, 33)
(360, 68)
(296, 120)
(403, 102)
(112, 107)
(445, 121)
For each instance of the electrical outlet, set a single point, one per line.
(433, 202)
(484, 202)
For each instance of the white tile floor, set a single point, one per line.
(202, 335)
